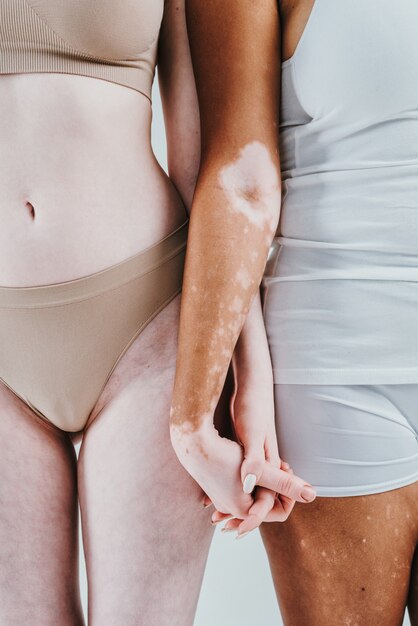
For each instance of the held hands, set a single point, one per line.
(219, 466)
(276, 488)
(244, 479)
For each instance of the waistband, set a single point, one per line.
(91, 285)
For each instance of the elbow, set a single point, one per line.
(252, 185)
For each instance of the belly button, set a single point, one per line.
(31, 210)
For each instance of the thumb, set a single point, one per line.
(253, 463)
(287, 484)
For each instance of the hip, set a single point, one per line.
(349, 440)
(342, 331)
(53, 234)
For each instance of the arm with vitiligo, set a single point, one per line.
(234, 216)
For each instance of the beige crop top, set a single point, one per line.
(115, 40)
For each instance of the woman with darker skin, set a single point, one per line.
(339, 560)
(81, 191)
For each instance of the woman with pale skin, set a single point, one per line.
(348, 115)
(83, 200)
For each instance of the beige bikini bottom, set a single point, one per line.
(60, 343)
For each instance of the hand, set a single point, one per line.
(252, 411)
(279, 511)
(215, 463)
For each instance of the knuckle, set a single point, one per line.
(255, 462)
(284, 483)
(282, 516)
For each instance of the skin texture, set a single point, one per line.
(38, 521)
(146, 534)
(234, 216)
(349, 560)
(222, 245)
(220, 281)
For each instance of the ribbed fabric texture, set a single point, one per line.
(29, 41)
(341, 284)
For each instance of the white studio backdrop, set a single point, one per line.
(237, 588)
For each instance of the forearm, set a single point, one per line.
(234, 217)
(251, 359)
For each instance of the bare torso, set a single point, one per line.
(80, 188)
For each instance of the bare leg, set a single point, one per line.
(413, 592)
(345, 560)
(38, 521)
(146, 535)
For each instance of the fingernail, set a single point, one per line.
(241, 535)
(223, 519)
(249, 483)
(308, 493)
(227, 530)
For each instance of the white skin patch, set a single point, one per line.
(252, 186)
(236, 305)
(243, 278)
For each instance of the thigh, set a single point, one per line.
(347, 557)
(345, 560)
(38, 521)
(145, 533)
(413, 592)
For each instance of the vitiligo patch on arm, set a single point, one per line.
(252, 187)
(239, 206)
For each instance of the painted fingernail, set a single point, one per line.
(227, 530)
(241, 535)
(308, 494)
(249, 483)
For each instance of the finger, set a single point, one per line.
(254, 460)
(283, 506)
(263, 503)
(218, 516)
(206, 501)
(286, 483)
(231, 524)
(271, 449)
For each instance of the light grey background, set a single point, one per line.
(237, 587)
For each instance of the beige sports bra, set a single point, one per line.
(114, 40)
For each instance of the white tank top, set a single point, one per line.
(341, 282)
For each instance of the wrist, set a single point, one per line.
(185, 435)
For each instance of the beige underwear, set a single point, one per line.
(60, 343)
